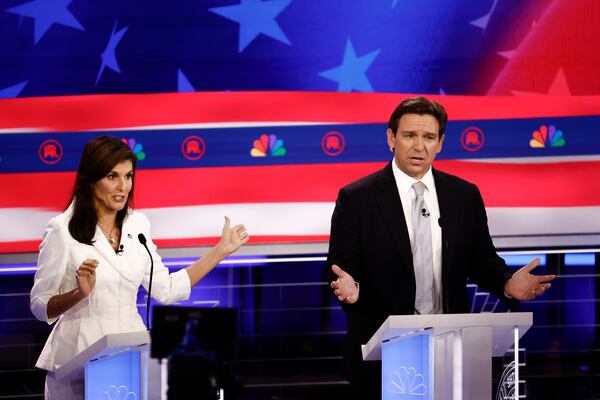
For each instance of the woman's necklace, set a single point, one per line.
(111, 239)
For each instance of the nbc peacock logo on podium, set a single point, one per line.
(408, 382)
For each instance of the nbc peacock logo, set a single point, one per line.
(137, 148)
(118, 393)
(268, 145)
(547, 136)
(407, 381)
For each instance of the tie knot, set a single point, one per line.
(419, 188)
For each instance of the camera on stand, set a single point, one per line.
(199, 345)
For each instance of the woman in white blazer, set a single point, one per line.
(91, 263)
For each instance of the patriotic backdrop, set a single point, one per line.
(265, 139)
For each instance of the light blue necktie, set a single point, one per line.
(422, 251)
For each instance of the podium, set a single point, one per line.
(116, 366)
(447, 356)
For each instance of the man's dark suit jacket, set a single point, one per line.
(369, 240)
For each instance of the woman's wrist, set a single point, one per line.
(61, 303)
(57, 305)
(221, 251)
(77, 295)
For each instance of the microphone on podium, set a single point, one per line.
(142, 240)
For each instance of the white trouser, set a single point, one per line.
(59, 390)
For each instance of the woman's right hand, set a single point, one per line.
(86, 277)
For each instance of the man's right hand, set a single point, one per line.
(344, 287)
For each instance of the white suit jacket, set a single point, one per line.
(111, 307)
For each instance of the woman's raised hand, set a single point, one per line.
(232, 238)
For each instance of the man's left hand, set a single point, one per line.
(525, 286)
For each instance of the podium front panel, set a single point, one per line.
(407, 369)
(118, 376)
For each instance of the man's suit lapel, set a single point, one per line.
(389, 201)
(447, 210)
(447, 220)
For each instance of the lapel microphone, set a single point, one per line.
(424, 213)
(121, 250)
(142, 240)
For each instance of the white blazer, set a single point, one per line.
(111, 306)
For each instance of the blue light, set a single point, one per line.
(175, 264)
(580, 259)
(18, 269)
(520, 260)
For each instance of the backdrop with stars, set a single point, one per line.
(68, 47)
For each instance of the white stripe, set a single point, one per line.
(208, 125)
(20, 224)
(512, 221)
(273, 219)
(259, 218)
(190, 126)
(534, 160)
(23, 130)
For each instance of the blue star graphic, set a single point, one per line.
(45, 14)
(255, 17)
(108, 56)
(351, 74)
(12, 91)
(483, 22)
(183, 83)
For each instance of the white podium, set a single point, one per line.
(116, 366)
(447, 356)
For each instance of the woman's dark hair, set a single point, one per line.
(98, 158)
(422, 106)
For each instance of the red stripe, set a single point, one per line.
(94, 112)
(46, 190)
(32, 246)
(29, 246)
(557, 184)
(250, 184)
(264, 239)
(192, 186)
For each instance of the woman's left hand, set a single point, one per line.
(232, 238)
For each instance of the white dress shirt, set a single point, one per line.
(407, 195)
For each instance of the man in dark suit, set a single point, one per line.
(419, 267)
